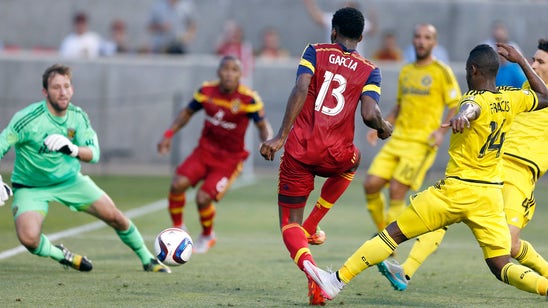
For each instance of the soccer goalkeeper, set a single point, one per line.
(50, 138)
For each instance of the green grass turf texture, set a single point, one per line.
(249, 266)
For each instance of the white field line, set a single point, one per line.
(137, 212)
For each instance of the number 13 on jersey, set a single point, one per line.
(336, 92)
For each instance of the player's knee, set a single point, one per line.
(203, 199)
(516, 246)
(179, 184)
(496, 265)
(372, 186)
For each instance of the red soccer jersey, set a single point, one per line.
(226, 118)
(323, 132)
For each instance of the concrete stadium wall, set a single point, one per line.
(132, 100)
(461, 23)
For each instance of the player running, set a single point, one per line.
(219, 156)
(318, 132)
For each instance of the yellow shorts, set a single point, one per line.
(480, 206)
(519, 200)
(405, 161)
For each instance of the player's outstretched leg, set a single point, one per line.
(75, 261)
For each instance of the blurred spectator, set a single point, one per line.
(323, 19)
(389, 50)
(232, 43)
(81, 43)
(510, 74)
(172, 26)
(500, 34)
(117, 43)
(270, 48)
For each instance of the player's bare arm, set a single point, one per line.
(372, 117)
(372, 135)
(436, 138)
(180, 121)
(265, 129)
(468, 112)
(537, 84)
(294, 106)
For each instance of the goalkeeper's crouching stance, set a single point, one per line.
(50, 139)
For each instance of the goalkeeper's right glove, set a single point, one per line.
(5, 192)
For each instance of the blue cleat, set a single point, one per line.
(393, 271)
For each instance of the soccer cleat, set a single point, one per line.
(315, 297)
(156, 266)
(317, 238)
(204, 242)
(75, 261)
(393, 271)
(327, 281)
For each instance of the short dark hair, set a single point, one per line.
(486, 60)
(348, 22)
(543, 44)
(55, 69)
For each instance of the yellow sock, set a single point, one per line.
(375, 206)
(370, 253)
(529, 257)
(424, 246)
(524, 279)
(395, 208)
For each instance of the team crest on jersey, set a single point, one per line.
(426, 80)
(70, 133)
(235, 105)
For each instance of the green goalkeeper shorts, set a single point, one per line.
(77, 193)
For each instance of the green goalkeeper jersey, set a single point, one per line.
(35, 165)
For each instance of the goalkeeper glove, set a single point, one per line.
(60, 143)
(5, 192)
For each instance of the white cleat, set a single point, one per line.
(328, 281)
(203, 243)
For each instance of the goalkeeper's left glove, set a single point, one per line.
(5, 192)
(60, 143)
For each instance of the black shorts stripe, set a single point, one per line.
(535, 169)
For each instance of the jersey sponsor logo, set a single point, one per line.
(343, 61)
(217, 120)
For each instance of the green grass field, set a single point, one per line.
(249, 266)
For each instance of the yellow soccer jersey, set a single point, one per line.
(475, 155)
(527, 141)
(423, 93)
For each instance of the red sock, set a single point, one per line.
(206, 219)
(296, 243)
(176, 205)
(332, 190)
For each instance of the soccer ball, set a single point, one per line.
(173, 246)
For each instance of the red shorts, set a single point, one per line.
(297, 179)
(217, 173)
